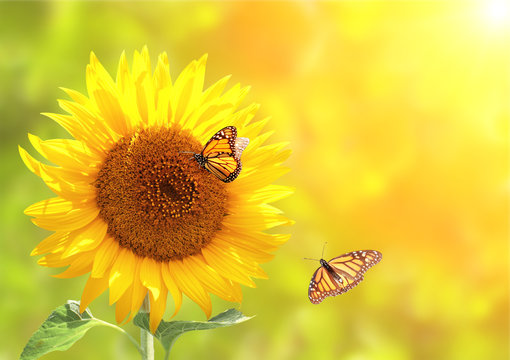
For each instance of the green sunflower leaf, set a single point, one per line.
(168, 332)
(60, 331)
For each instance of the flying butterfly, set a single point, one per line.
(340, 274)
(221, 155)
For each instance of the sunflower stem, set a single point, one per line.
(146, 338)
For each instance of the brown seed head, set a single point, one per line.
(157, 201)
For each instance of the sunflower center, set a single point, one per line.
(156, 200)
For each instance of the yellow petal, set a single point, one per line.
(162, 79)
(132, 299)
(254, 220)
(214, 91)
(80, 265)
(256, 178)
(126, 87)
(73, 219)
(253, 130)
(93, 128)
(121, 274)
(103, 91)
(95, 132)
(221, 113)
(245, 251)
(54, 243)
(211, 117)
(55, 260)
(163, 110)
(106, 254)
(172, 287)
(123, 306)
(74, 128)
(190, 285)
(261, 240)
(56, 174)
(52, 206)
(150, 276)
(138, 290)
(269, 156)
(123, 79)
(65, 183)
(271, 193)
(87, 238)
(187, 90)
(157, 307)
(93, 288)
(143, 87)
(69, 154)
(242, 117)
(212, 281)
(226, 266)
(77, 96)
(236, 95)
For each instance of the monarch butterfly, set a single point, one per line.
(341, 274)
(221, 155)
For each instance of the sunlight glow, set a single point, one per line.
(497, 12)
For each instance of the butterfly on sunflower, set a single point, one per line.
(341, 274)
(221, 155)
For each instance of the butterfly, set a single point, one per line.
(341, 274)
(221, 155)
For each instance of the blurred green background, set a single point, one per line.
(397, 114)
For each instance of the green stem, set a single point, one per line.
(146, 338)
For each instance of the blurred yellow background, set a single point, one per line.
(397, 114)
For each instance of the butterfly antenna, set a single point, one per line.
(323, 247)
(187, 152)
(311, 259)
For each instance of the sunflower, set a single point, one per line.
(134, 212)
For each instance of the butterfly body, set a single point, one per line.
(221, 155)
(200, 159)
(341, 274)
(329, 269)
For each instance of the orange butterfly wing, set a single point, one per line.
(222, 154)
(222, 142)
(341, 274)
(322, 285)
(224, 166)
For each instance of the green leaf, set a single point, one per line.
(60, 331)
(168, 332)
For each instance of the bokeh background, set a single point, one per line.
(398, 117)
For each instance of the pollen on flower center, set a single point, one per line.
(155, 199)
(170, 190)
